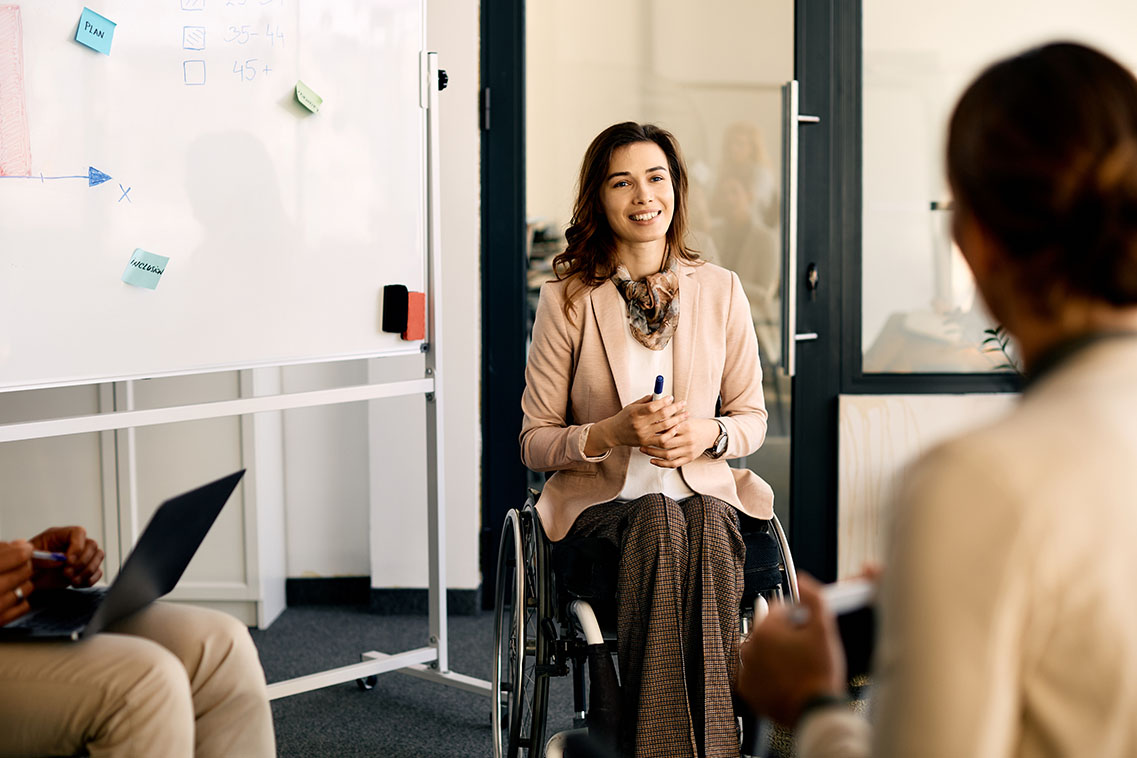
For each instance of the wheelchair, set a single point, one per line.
(550, 605)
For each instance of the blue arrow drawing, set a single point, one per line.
(93, 176)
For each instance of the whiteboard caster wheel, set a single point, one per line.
(368, 683)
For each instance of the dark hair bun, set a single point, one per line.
(1042, 149)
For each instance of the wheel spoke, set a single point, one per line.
(519, 646)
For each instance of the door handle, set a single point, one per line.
(791, 119)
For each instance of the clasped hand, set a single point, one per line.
(662, 429)
(21, 575)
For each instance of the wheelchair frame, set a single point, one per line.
(533, 641)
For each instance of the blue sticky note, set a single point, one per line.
(144, 269)
(95, 31)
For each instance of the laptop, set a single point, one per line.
(174, 533)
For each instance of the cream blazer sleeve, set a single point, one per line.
(743, 404)
(549, 439)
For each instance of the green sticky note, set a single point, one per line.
(307, 97)
(144, 269)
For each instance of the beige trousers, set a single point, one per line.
(171, 680)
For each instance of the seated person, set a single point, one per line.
(171, 680)
(1007, 621)
(632, 302)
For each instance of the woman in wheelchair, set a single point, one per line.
(631, 301)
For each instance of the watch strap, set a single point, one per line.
(718, 449)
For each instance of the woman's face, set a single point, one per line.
(638, 195)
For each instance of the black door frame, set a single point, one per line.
(505, 311)
(827, 68)
(823, 52)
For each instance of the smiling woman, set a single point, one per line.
(632, 302)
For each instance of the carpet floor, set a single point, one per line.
(401, 717)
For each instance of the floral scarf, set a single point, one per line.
(653, 304)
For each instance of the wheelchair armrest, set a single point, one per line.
(763, 568)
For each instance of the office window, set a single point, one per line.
(920, 310)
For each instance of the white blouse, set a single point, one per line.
(644, 478)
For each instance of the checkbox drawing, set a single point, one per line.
(193, 37)
(193, 5)
(193, 72)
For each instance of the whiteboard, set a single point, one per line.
(281, 226)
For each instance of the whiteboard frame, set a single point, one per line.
(110, 379)
(130, 419)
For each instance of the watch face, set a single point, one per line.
(720, 445)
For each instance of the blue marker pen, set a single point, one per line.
(43, 555)
(656, 395)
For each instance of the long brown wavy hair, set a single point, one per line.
(590, 254)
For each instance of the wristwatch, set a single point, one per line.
(717, 450)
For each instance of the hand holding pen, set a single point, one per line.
(651, 420)
(786, 661)
(15, 579)
(682, 442)
(66, 556)
(840, 598)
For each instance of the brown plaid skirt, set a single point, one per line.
(678, 593)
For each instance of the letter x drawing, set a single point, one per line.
(126, 194)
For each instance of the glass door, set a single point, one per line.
(712, 73)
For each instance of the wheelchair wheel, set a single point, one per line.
(522, 650)
(788, 571)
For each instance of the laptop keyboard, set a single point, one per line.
(62, 610)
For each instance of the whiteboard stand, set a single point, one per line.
(430, 662)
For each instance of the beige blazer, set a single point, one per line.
(1008, 625)
(577, 374)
